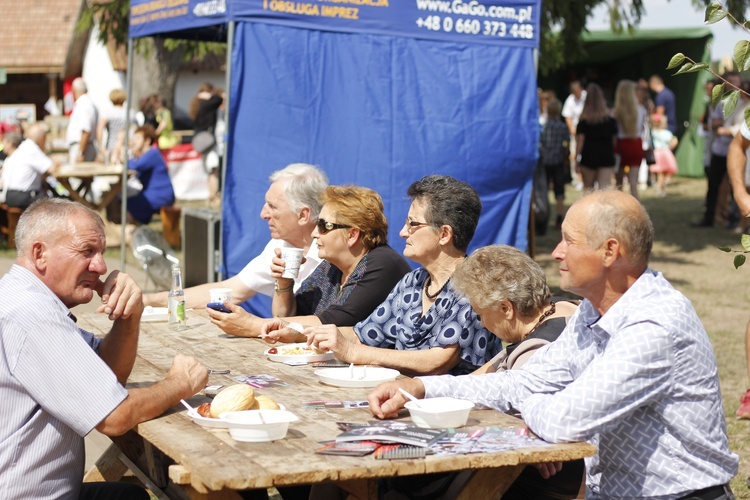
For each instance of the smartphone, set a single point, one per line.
(218, 306)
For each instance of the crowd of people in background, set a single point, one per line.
(99, 135)
(587, 142)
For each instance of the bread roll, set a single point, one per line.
(236, 397)
(265, 403)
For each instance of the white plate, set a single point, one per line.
(154, 314)
(357, 376)
(282, 357)
(215, 423)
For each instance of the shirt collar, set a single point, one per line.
(612, 320)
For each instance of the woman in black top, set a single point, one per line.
(358, 270)
(596, 138)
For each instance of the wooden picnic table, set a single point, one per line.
(85, 172)
(179, 459)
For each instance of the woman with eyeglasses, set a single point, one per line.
(423, 326)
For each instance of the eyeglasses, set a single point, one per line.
(324, 227)
(412, 225)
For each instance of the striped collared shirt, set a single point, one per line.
(54, 389)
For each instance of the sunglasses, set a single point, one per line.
(324, 227)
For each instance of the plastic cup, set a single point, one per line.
(220, 295)
(292, 261)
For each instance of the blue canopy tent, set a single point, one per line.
(378, 95)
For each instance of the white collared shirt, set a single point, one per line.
(256, 275)
(83, 119)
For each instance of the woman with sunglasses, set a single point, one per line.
(357, 271)
(358, 268)
(423, 326)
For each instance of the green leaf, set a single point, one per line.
(745, 240)
(716, 94)
(739, 259)
(676, 60)
(747, 119)
(725, 249)
(714, 13)
(698, 67)
(742, 55)
(684, 69)
(729, 102)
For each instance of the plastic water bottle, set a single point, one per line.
(177, 319)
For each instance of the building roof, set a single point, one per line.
(39, 35)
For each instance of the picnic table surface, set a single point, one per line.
(173, 454)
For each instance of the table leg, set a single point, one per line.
(110, 195)
(74, 194)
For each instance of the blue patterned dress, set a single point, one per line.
(398, 323)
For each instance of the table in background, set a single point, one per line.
(172, 454)
(85, 172)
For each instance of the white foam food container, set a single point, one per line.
(439, 413)
(248, 426)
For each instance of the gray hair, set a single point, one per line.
(305, 187)
(496, 273)
(450, 202)
(614, 214)
(79, 85)
(37, 131)
(49, 217)
(13, 138)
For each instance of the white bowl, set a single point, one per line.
(439, 413)
(248, 426)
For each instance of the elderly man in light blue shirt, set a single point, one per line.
(633, 373)
(57, 382)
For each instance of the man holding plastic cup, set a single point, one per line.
(291, 209)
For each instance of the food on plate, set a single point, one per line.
(236, 397)
(298, 350)
(273, 350)
(204, 410)
(264, 403)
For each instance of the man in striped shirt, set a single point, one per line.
(57, 382)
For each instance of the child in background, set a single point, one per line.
(664, 142)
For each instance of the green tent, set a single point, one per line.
(610, 57)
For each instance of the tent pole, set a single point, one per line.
(227, 102)
(124, 187)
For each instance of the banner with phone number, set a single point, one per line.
(506, 22)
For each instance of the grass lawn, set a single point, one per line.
(689, 258)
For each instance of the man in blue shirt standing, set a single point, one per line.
(664, 103)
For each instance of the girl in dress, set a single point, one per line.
(664, 142)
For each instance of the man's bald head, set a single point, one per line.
(615, 214)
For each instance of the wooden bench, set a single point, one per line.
(9, 222)
(170, 225)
